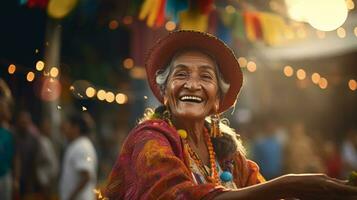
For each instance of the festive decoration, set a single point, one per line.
(226, 176)
(182, 133)
(150, 10)
(211, 176)
(173, 7)
(205, 6)
(60, 8)
(35, 3)
(193, 20)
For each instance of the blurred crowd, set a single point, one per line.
(292, 148)
(34, 165)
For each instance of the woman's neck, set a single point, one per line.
(194, 128)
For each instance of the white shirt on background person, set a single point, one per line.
(79, 155)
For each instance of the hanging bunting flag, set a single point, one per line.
(36, 3)
(60, 8)
(223, 32)
(205, 6)
(150, 10)
(252, 26)
(238, 30)
(161, 15)
(193, 20)
(235, 22)
(274, 28)
(173, 7)
(23, 2)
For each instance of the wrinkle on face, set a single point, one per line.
(193, 74)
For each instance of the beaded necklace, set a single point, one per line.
(211, 176)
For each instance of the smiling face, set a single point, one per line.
(192, 91)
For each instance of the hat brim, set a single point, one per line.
(162, 52)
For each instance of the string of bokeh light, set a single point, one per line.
(31, 75)
(250, 65)
(301, 74)
(316, 78)
(83, 89)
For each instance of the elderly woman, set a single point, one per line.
(182, 151)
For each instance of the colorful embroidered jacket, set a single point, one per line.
(154, 165)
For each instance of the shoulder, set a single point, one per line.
(153, 128)
(153, 131)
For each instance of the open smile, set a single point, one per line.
(191, 98)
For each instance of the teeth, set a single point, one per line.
(191, 98)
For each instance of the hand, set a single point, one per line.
(317, 186)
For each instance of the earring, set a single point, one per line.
(166, 115)
(215, 131)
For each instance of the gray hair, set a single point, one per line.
(163, 75)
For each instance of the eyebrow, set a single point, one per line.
(209, 67)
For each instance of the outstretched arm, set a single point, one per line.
(301, 186)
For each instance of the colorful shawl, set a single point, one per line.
(154, 165)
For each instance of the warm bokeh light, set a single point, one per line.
(109, 97)
(320, 14)
(230, 9)
(301, 74)
(320, 34)
(341, 32)
(323, 83)
(128, 63)
(40, 65)
(327, 15)
(128, 20)
(288, 71)
(352, 84)
(350, 4)
(315, 77)
(251, 66)
(113, 24)
(242, 62)
(121, 98)
(170, 25)
(54, 72)
(355, 31)
(138, 73)
(11, 69)
(101, 94)
(30, 76)
(90, 92)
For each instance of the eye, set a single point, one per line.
(207, 76)
(181, 74)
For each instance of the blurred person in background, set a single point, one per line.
(48, 166)
(79, 167)
(301, 157)
(7, 144)
(349, 152)
(267, 150)
(27, 152)
(332, 159)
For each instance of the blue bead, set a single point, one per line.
(226, 176)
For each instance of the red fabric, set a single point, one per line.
(153, 165)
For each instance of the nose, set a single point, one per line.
(193, 83)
